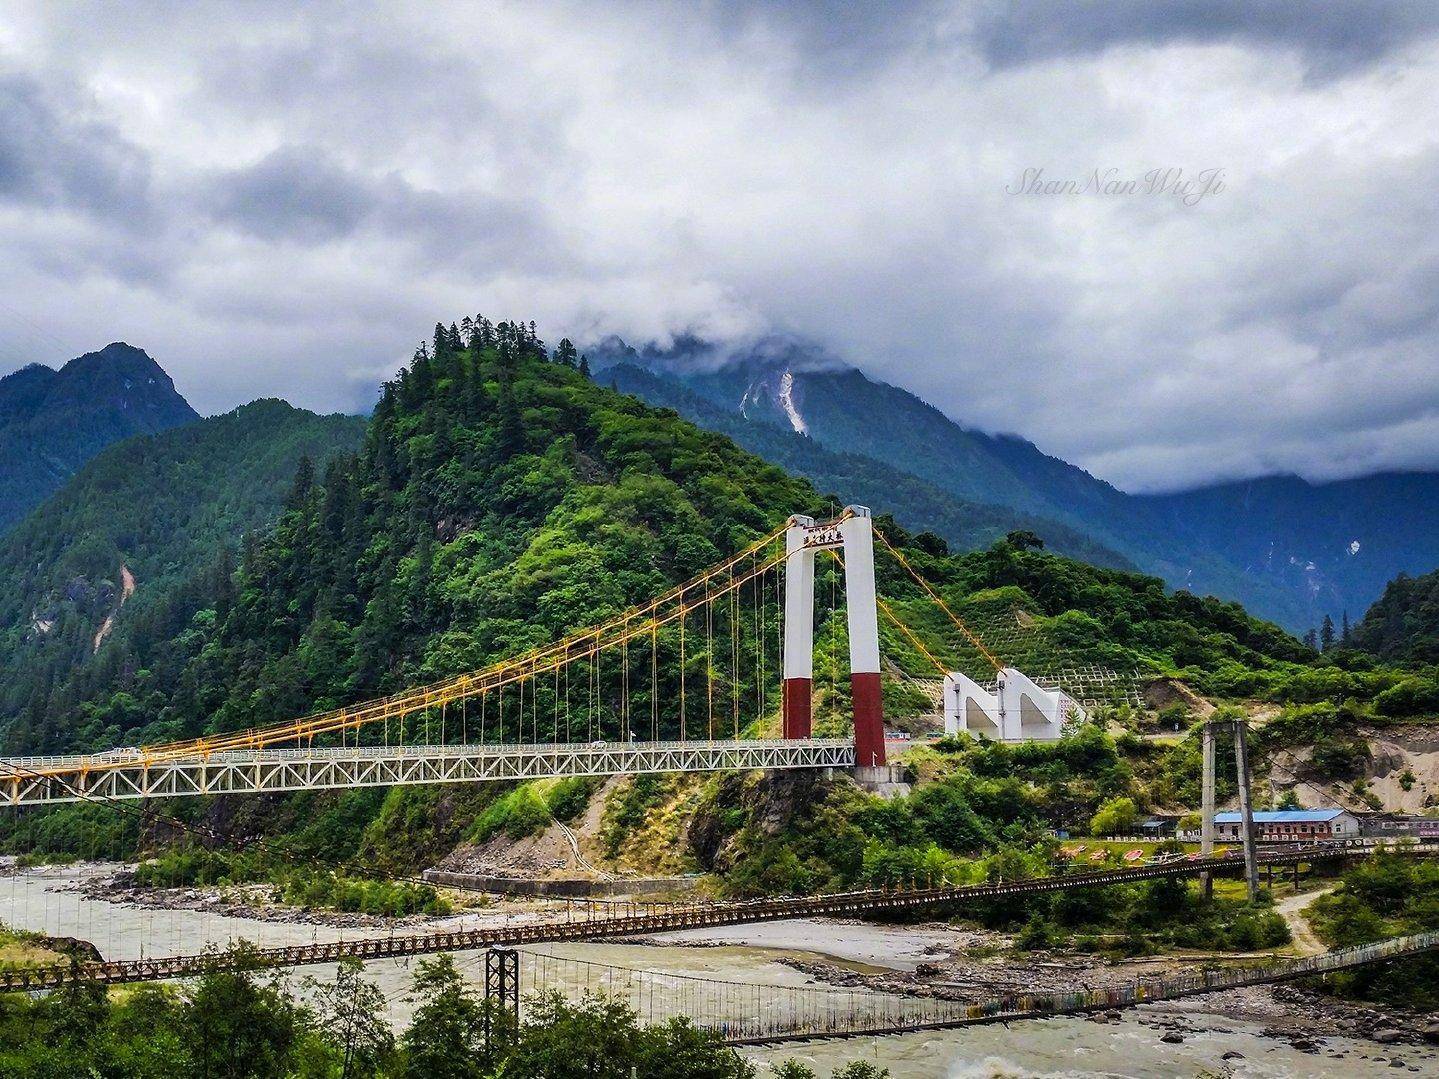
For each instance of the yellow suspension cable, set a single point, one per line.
(968, 633)
(464, 685)
(401, 705)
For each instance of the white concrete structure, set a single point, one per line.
(1017, 711)
(970, 707)
(853, 532)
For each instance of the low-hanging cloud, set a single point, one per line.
(276, 202)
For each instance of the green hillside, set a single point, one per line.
(1403, 624)
(498, 500)
(500, 497)
(159, 514)
(914, 502)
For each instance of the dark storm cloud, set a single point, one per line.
(280, 201)
(294, 194)
(1333, 36)
(300, 195)
(51, 154)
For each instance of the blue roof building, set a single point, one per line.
(1283, 816)
(1295, 825)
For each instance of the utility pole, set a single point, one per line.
(1246, 808)
(1206, 827)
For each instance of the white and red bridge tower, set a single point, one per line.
(853, 535)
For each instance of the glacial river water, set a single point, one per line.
(45, 900)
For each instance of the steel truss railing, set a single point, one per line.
(50, 780)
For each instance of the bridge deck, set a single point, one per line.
(623, 923)
(47, 780)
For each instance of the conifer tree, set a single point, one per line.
(1326, 634)
(510, 436)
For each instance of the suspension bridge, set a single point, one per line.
(745, 1013)
(688, 682)
(588, 922)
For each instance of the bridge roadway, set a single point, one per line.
(632, 922)
(48, 780)
(1012, 1007)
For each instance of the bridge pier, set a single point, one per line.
(885, 780)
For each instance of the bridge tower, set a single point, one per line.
(853, 534)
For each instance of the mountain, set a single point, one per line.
(52, 422)
(863, 480)
(1288, 550)
(498, 500)
(123, 549)
(1333, 546)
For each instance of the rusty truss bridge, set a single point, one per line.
(623, 920)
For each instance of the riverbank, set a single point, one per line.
(932, 958)
(971, 965)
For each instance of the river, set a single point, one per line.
(46, 900)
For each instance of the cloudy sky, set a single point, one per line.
(279, 204)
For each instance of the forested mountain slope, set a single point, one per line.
(914, 502)
(498, 500)
(52, 422)
(500, 497)
(1403, 624)
(1338, 543)
(131, 545)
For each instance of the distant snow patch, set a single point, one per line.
(786, 400)
(1353, 546)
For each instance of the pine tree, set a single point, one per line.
(1326, 634)
(585, 366)
(224, 582)
(566, 353)
(303, 485)
(511, 434)
(1344, 629)
(1311, 638)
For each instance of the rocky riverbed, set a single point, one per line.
(934, 959)
(255, 902)
(971, 965)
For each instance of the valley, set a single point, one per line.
(500, 499)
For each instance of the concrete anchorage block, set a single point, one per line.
(970, 707)
(1018, 710)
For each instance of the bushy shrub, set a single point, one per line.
(1411, 697)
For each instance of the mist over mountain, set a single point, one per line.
(52, 422)
(1287, 549)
